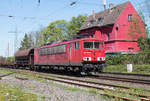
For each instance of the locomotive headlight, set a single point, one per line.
(86, 58)
(100, 58)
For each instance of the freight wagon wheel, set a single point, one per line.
(31, 68)
(16, 67)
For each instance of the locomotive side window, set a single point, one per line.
(77, 45)
(56, 49)
(45, 51)
(49, 50)
(88, 45)
(42, 51)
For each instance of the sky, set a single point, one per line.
(25, 16)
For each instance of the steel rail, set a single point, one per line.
(137, 81)
(88, 86)
(128, 74)
(5, 75)
(91, 82)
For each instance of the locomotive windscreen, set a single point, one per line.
(93, 45)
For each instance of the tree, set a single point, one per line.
(135, 29)
(10, 59)
(25, 43)
(144, 44)
(75, 24)
(144, 18)
(38, 37)
(56, 31)
(2, 59)
(144, 12)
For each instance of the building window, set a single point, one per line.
(100, 20)
(129, 17)
(77, 45)
(108, 35)
(91, 22)
(130, 49)
(92, 36)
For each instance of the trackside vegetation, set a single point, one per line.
(15, 94)
(139, 69)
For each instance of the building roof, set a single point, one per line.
(106, 17)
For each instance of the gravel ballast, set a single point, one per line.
(49, 91)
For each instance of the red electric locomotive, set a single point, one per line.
(86, 55)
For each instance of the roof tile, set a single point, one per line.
(109, 17)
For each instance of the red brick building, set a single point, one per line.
(113, 25)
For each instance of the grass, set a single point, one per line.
(119, 94)
(8, 93)
(126, 93)
(140, 69)
(3, 71)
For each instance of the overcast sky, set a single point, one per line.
(25, 16)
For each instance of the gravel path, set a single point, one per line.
(49, 92)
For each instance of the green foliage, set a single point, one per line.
(75, 24)
(15, 94)
(56, 31)
(10, 59)
(141, 69)
(62, 30)
(144, 44)
(114, 60)
(115, 68)
(139, 59)
(26, 42)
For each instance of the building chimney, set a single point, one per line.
(94, 15)
(104, 4)
(111, 6)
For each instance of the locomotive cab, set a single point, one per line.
(93, 51)
(93, 55)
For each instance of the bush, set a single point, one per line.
(140, 69)
(138, 59)
(116, 60)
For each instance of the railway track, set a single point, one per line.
(3, 75)
(130, 80)
(89, 84)
(94, 85)
(127, 74)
